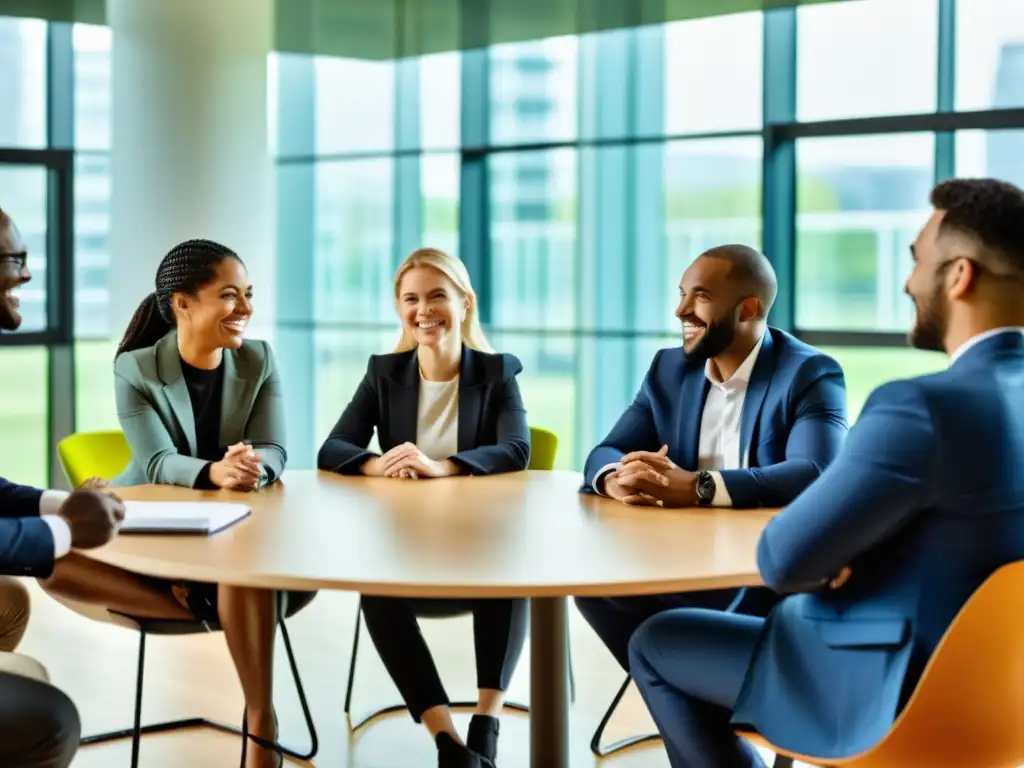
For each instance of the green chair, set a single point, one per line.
(105, 455)
(93, 454)
(543, 449)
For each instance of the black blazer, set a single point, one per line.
(493, 433)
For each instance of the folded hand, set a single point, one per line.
(239, 470)
(646, 478)
(407, 458)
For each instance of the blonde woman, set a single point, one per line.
(442, 404)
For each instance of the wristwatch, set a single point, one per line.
(706, 488)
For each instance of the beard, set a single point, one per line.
(929, 331)
(717, 337)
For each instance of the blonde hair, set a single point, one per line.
(452, 268)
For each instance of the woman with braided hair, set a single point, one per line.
(200, 407)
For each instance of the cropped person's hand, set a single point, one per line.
(92, 516)
(239, 470)
(99, 484)
(647, 476)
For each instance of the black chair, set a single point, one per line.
(781, 761)
(621, 744)
(428, 611)
(166, 627)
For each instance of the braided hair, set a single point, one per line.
(185, 269)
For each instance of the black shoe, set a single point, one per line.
(451, 754)
(483, 736)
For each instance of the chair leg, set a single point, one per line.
(138, 730)
(314, 742)
(618, 746)
(568, 657)
(352, 662)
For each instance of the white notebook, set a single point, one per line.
(202, 517)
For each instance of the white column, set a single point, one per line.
(190, 157)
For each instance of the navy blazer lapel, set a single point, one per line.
(471, 380)
(175, 388)
(757, 389)
(405, 401)
(691, 410)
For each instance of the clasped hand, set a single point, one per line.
(652, 479)
(239, 470)
(408, 462)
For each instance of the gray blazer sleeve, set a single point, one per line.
(152, 448)
(266, 426)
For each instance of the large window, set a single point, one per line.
(991, 153)
(703, 97)
(22, 78)
(989, 54)
(867, 57)
(23, 414)
(860, 203)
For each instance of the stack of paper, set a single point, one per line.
(204, 517)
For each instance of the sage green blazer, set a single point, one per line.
(156, 415)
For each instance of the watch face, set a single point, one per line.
(705, 486)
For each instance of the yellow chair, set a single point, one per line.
(93, 454)
(967, 706)
(105, 455)
(543, 449)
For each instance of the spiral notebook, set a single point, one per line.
(196, 517)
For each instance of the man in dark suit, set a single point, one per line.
(743, 415)
(39, 726)
(924, 503)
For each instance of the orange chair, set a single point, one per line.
(968, 706)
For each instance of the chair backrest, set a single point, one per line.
(968, 706)
(543, 448)
(93, 454)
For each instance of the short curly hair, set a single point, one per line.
(990, 214)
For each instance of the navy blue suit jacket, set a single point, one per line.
(493, 435)
(924, 503)
(792, 426)
(26, 543)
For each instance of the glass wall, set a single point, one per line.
(577, 177)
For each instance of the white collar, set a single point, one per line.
(983, 336)
(741, 378)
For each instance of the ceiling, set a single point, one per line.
(388, 29)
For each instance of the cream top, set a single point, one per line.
(437, 422)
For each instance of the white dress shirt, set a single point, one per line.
(983, 336)
(437, 421)
(719, 446)
(49, 506)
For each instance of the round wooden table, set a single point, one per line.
(529, 534)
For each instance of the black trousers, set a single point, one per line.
(615, 619)
(499, 632)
